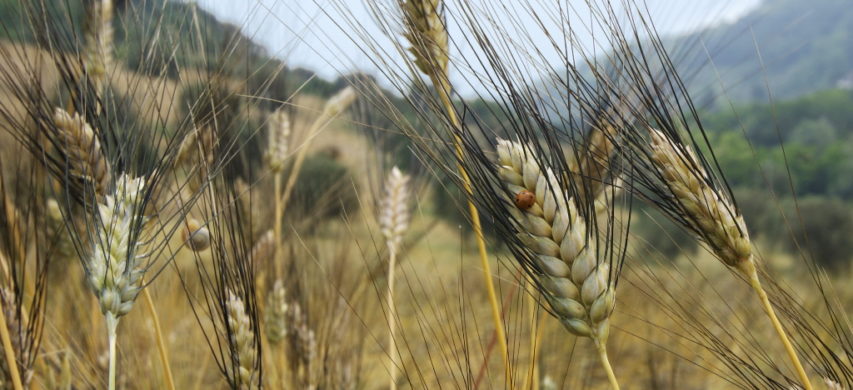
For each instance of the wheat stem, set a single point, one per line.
(161, 344)
(9, 350)
(278, 214)
(112, 324)
(605, 362)
(392, 326)
(531, 381)
(752, 274)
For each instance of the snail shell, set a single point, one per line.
(195, 236)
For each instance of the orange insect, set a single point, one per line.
(525, 199)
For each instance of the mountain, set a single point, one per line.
(795, 46)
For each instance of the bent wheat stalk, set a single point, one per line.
(576, 285)
(428, 37)
(336, 105)
(717, 223)
(393, 222)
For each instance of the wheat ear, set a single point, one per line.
(575, 283)
(98, 35)
(717, 222)
(242, 337)
(275, 321)
(114, 269)
(426, 32)
(86, 160)
(393, 222)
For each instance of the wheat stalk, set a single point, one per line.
(716, 221)
(85, 159)
(427, 34)
(242, 339)
(575, 283)
(336, 105)
(16, 372)
(393, 222)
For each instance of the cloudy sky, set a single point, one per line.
(307, 33)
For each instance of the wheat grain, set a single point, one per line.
(86, 161)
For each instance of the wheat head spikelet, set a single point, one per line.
(243, 339)
(577, 285)
(275, 316)
(721, 226)
(114, 267)
(278, 132)
(426, 33)
(98, 35)
(394, 210)
(86, 159)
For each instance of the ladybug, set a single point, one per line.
(524, 199)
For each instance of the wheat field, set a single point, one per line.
(183, 209)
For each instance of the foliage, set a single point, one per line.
(325, 189)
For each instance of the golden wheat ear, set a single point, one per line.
(717, 222)
(575, 283)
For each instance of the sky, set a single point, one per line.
(308, 34)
